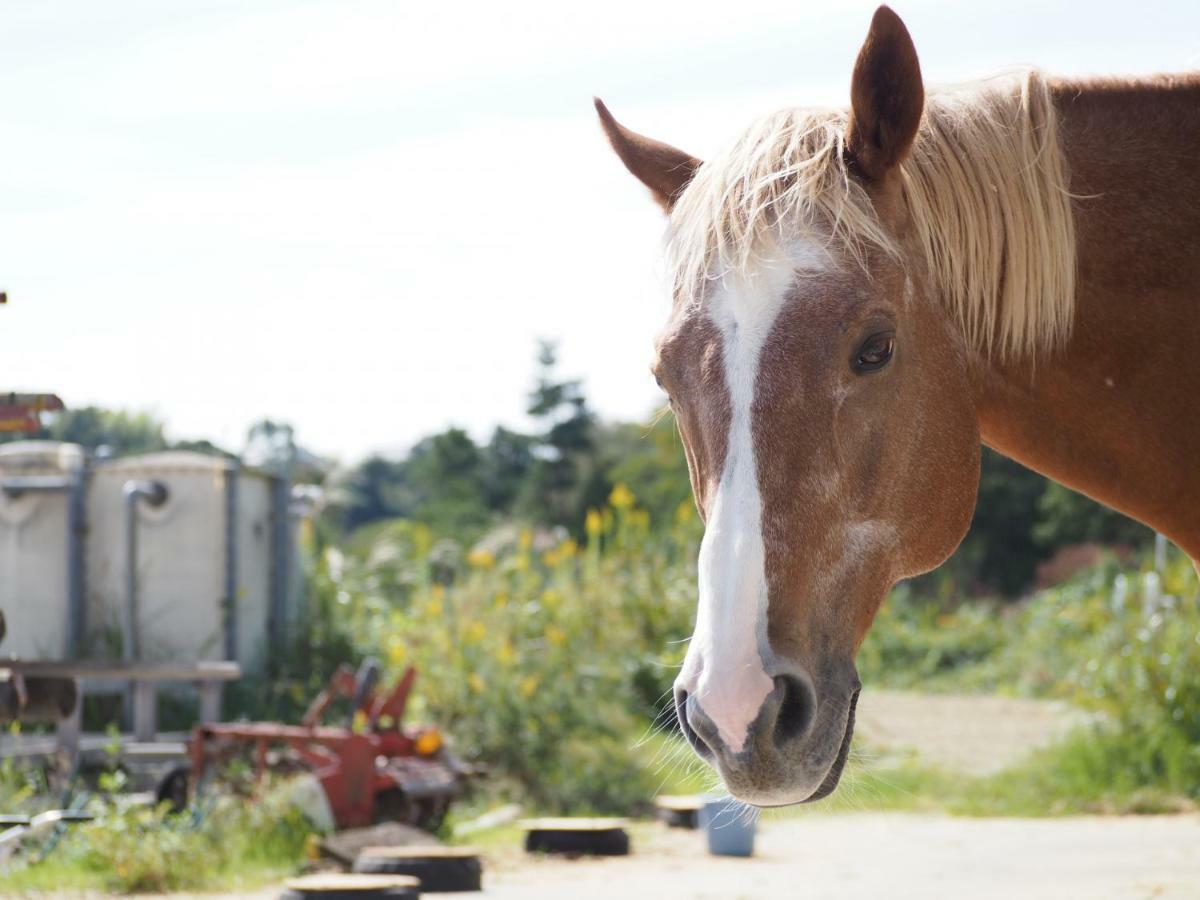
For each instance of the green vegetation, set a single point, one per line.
(543, 657)
(1123, 644)
(131, 847)
(544, 586)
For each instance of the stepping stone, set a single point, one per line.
(439, 869)
(679, 811)
(577, 837)
(337, 886)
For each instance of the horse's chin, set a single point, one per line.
(834, 775)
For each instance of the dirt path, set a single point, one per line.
(871, 856)
(895, 856)
(974, 734)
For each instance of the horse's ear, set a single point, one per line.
(886, 97)
(660, 167)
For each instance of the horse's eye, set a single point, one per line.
(875, 352)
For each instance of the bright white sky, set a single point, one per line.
(358, 217)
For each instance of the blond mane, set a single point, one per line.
(985, 185)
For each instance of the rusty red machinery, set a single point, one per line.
(22, 412)
(372, 769)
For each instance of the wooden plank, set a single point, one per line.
(216, 670)
(418, 851)
(336, 881)
(572, 824)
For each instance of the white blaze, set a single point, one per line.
(724, 666)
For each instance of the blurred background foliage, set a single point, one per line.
(543, 582)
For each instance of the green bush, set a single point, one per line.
(131, 847)
(544, 662)
(1122, 643)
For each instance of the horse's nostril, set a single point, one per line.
(681, 711)
(797, 707)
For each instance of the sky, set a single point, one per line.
(359, 217)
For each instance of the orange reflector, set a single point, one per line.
(428, 742)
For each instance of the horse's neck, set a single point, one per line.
(1116, 415)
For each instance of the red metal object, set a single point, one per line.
(21, 412)
(371, 772)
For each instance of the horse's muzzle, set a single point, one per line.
(795, 749)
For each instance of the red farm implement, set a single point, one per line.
(372, 769)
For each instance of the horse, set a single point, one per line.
(861, 298)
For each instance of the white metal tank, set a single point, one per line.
(194, 565)
(36, 560)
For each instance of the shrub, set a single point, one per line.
(132, 847)
(544, 664)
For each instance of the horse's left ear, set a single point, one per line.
(886, 98)
(660, 167)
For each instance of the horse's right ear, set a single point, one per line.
(660, 167)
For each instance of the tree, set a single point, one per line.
(649, 459)
(443, 484)
(507, 460)
(92, 427)
(555, 489)
(371, 491)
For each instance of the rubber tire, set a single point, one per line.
(437, 875)
(377, 894)
(610, 842)
(174, 788)
(680, 818)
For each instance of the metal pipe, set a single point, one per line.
(77, 560)
(281, 490)
(155, 494)
(232, 472)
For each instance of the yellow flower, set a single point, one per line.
(475, 682)
(621, 496)
(555, 635)
(593, 523)
(433, 609)
(501, 600)
(506, 654)
(359, 724)
(397, 653)
(568, 548)
(475, 632)
(312, 848)
(481, 559)
(525, 540)
(685, 512)
(551, 598)
(550, 558)
(529, 684)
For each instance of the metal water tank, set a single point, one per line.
(41, 484)
(202, 574)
